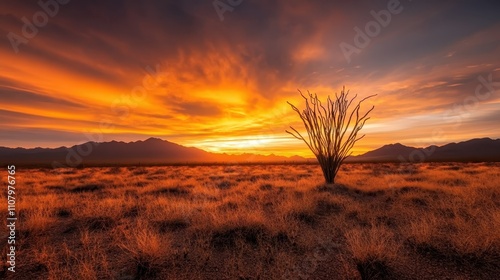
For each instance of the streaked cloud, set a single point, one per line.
(223, 86)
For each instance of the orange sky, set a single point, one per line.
(223, 85)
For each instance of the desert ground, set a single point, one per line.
(379, 221)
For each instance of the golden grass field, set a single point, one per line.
(380, 221)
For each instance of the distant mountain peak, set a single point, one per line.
(395, 145)
(153, 139)
(478, 149)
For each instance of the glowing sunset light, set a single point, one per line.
(177, 72)
(250, 139)
(244, 144)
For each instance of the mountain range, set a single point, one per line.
(479, 149)
(150, 151)
(158, 151)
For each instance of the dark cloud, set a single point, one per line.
(23, 137)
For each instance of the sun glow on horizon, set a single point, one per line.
(244, 144)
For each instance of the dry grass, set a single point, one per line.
(381, 221)
(374, 250)
(145, 247)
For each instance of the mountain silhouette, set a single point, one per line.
(158, 151)
(150, 151)
(480, 149)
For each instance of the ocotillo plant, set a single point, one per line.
(331, 129)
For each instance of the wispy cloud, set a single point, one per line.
(228, 82)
